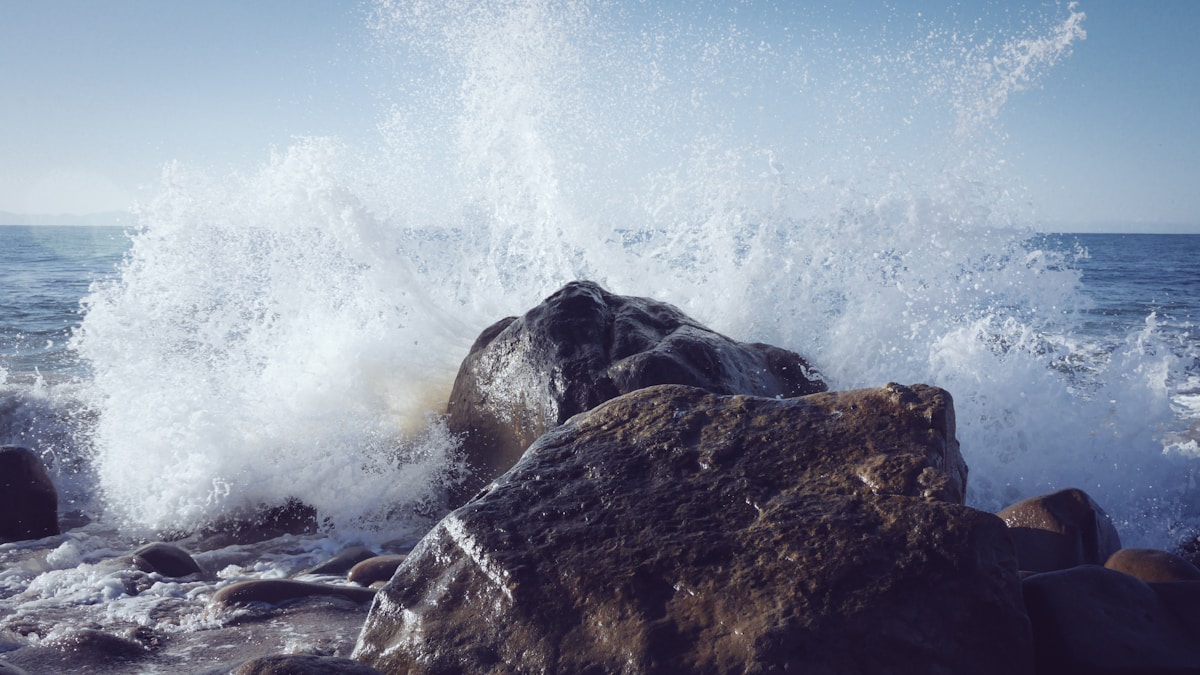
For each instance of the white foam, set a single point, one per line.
(284, 334)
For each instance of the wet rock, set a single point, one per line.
(1091, 620)
(303, 664)
(1152, 565)
(10, 669)
(671, 530)
(28, 500)
(583, 346)
(102, 645)
(372, 570)
(342, 562)
(165, 559)
(1061, 530)
(281, 591)
(251, 526)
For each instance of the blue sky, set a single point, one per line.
(98, 96)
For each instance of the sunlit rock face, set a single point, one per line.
(673, 530)
(583, 346)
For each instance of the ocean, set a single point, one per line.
(292, 334)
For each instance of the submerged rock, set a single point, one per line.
(342, 562)
(1061, 530)
(672, 530)
(583, 346)
(165, 559)
(28, 499)
(281, 591)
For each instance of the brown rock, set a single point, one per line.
(675, 531)
(342, 562)
(1091, 620)
(28, 500)
(371, 570)
(281, 591)
(1152, 566)
(1061, 530)
(583, 346)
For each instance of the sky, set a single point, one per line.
(96, 97)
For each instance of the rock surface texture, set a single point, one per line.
(673, 530)
(28, 500)
(1061, 530)
(583, 346)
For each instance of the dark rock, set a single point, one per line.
(102, 645)
(675, 531)
(303, 664)
(281, 591)
(583, 346)
(250, 526)
(9, 669)
(1151, 565)
(28, 500)
(1061, 530)
(1090, 620)
(165, 559)
(342, 562)
(372, 570)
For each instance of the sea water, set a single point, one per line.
(292, 333)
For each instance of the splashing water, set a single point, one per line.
(287, 334)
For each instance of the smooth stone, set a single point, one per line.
(168, 560)
(1152, 565)
(303, 664)
(280, 591)
(342, 562)
(1061, 530)
(28, 499)
(379, 568)
(10, 669)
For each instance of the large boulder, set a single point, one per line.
(1061, 530)
(583, 346)
(28, 500)
(671, 530)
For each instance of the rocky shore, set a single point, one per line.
(649, 496)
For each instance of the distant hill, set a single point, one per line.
(110, 218)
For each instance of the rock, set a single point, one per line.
(100, 644)
(9, 669)
(165, 559)
(1151, 565)
(371, 570)
(671, 530)
(1091, 620)
(1061, 530)
(28, 500)
(303, 664)
(281, 591)
(253, 525)
(342, 562)
(583, 346)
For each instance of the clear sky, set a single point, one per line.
(96, 96)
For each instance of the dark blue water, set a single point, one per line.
(1128, 277)
(44, 273)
